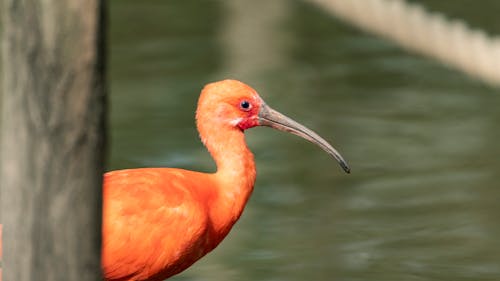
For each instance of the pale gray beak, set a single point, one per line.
(272, 118)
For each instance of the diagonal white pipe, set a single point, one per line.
(451, 42)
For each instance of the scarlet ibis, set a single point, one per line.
(159, 221)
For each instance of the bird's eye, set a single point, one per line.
(245, 105)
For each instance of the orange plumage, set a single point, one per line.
(157, 222)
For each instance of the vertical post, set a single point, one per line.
(52, 138)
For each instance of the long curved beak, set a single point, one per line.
(272, 118)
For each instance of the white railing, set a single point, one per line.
(451, 42)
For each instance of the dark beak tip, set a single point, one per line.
(346, 168)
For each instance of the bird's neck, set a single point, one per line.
(232, 157)
(235, 177)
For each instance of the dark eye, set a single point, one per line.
(245, 105)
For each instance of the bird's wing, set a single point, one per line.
(152, 221)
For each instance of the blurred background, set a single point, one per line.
(422, 202)
(422, 140)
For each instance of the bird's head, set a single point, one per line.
(229, 103)
(234, 105)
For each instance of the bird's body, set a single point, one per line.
(159, 221)
(137, 243)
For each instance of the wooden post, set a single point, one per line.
(52, 139)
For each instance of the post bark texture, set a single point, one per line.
(52, 139)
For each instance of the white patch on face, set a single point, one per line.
(236, 121)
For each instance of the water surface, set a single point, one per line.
(422, 200)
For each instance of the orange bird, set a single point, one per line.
(159, 221)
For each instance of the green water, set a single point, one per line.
(422, 202)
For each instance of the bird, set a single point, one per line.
(157, 222)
